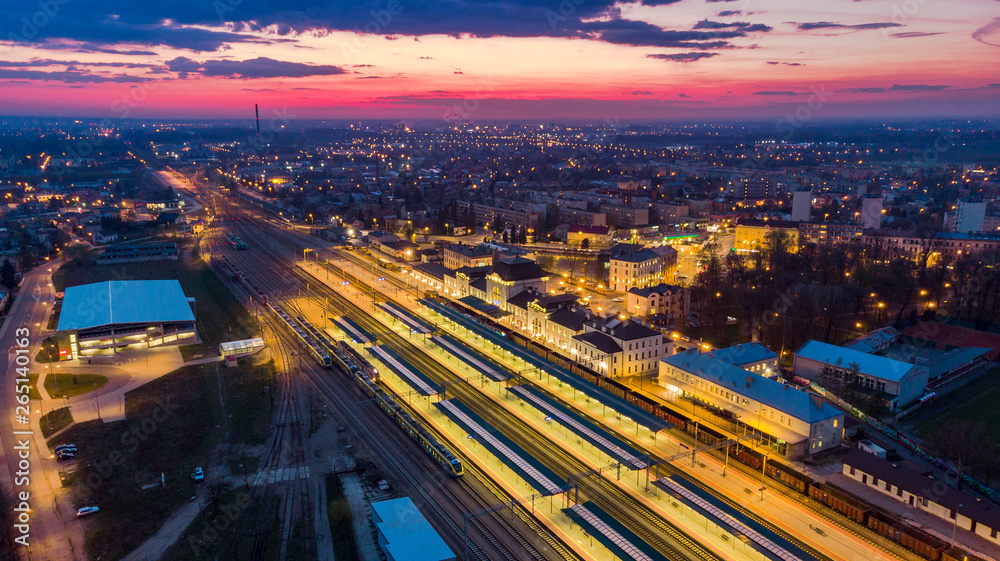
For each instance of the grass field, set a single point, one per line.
(70, 385)
(220, 316)
(54, 421)
(172, 425)
(339, 513)
(33, 387)
(976, 402)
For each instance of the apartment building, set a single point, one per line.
(663, 301)
(461, 255)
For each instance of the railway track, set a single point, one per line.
(319, 379)
(665, 537)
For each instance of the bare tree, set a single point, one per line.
(966, 444)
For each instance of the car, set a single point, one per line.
(71, 448)
(198, 474)
(65, 457)
(617, 299)
(87, 511)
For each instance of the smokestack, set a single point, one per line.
(256, 111)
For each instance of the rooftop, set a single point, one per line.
(802, 405)
(103, 303)
(637, 257)
(661, 288)
(517, 269)
(906, 476)
(871, 365)
(744, 353)
(599, 341)
(408, 535)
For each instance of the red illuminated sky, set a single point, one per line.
(511, 60)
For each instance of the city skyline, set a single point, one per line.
(656, 60)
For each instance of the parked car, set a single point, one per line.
(198, 474)
(71, 448)
(65, 457)
(86, 511)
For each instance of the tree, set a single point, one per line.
(966, 444)
(8, 274)
(9, 549)
(585, 243)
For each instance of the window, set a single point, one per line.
(853, 471)
(899, 491)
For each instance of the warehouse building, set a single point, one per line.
(124, 314)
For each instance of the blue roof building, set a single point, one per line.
(901, 382)
(118, 314)
(405, 535)
(795, 422)
(751, 356)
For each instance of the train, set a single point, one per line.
(890, 526)
(359, 362)
(229, 271)
(304, 331)
(235, 242)
(367, 376)
(255, 290)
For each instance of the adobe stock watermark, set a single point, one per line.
(380, 20)
(787, 125)
(901, 14)
(33, 24)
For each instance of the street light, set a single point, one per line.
(954, 528)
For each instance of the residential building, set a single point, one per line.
(917, 487)
(661, 302)
(599, 236)
(488, 214)
(794, 422)
(571, 215)
(949, 245)
(626, 216)
(752, 188)
(871, 213)
(968, 215)
(828, 233)
(639, 269)
(802, 205)
(751, 234)
(901, 383)
(461, 255)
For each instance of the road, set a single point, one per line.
(55, 534)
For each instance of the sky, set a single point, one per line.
(532, 60)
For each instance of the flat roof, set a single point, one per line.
(871, 365)
(104, 303)
(408, 535)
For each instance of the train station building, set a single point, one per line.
(794, 422)
(121, 315)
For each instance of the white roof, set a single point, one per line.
(103, 303)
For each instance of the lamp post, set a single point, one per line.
(763, 466)
(954, 529)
